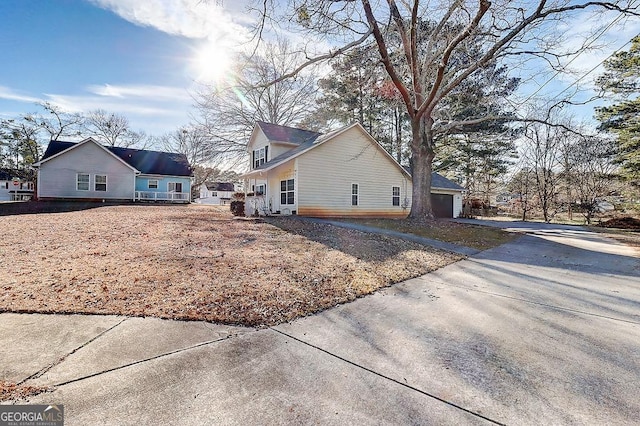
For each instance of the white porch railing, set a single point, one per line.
(162, 196)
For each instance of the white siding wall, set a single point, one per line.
(283, 172)
(258, 141)
(57, 177)
(325, 175)
(276, 149)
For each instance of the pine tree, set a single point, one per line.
(622, 82)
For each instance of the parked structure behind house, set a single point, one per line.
(218, 193)
(88, 170)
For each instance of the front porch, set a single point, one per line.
(171, 197)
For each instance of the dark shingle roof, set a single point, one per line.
(439, 181)
(275, 132)
(285, 155)
(221, 186)
(148, 162)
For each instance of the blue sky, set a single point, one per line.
(140, 58)
(81, 56)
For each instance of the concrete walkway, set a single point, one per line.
(543, 330)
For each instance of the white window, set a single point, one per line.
(152, 184)
(82, 181)
(259, 157)
(286, 192)
(260, 189)
(395, 196)
(354, 194)
(174, 186)
(100, 183)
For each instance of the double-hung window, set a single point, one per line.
(100, 182)
(152, 184)
(395, 195)
(259, 156)
(174, 187)
(286, 192)
(354, 194)
(82, 181)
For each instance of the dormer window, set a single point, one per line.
(260, 156)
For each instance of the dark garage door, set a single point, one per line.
(442, 205)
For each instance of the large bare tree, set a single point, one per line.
(56, 122)
(227, 111)
(113, 130)
(431, 63)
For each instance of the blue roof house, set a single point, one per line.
(87, 170)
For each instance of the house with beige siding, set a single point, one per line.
(342, 173)
(88, 170)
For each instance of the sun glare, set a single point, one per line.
(211, 62)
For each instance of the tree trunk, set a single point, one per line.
(422, 156)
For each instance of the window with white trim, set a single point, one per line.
(174, 187)
(354, 194)
(261, 189)
(286, 192)
(259, 157)
(82, 181)
(152, 184)
(100, 182)
(395, 196)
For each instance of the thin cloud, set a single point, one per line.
(12, 95)
(197, 19)
(150, 92)
(79, 103)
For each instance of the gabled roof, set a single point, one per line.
(317, 141)
(440, 182)
(221, 186)
(277, 133)
(144, 161)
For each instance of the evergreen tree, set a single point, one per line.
(622, 82)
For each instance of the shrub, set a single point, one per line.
(237, 208)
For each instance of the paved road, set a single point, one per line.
(543, 330)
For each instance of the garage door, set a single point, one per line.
(442, 205)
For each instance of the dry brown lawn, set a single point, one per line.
(194, 263)
(476, 236)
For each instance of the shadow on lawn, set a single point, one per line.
(38, 207)
(359, 244)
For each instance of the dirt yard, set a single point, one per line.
(194, 263)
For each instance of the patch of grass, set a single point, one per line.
(195, 263)
(475, 236)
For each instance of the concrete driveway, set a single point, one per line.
(543, 330)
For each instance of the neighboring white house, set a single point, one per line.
(342, 173)
(88, 170)
(13, 187)
(218, 193)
